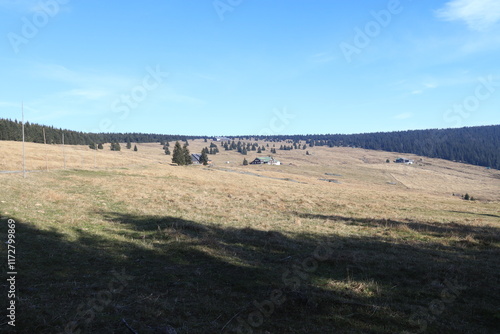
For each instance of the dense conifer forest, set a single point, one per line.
(478, 145)
(11, 130)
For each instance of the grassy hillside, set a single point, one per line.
(127, 237)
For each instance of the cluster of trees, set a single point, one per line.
(166, 146)
(243, 147)
(181, 155)
(212, 150)
(93, 146)
(295, 146)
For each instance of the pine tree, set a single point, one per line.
(100, 147)
(93, 146)
(187, 155)
(204, 158)
(129, 145)
(135, 148)
(259, 151)
(115, 147)
(178, 155)
(167, 151)
(245, 162)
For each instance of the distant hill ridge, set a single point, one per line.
(479, 145)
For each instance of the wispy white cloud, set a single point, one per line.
(168, 94)
(85, 78)
(424, 87)
(89, 94)
(322, 57)
(479, 15)
(6, 104)
(21, 5)
(403, 116)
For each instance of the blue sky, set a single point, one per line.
(251, 66)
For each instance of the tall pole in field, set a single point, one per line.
(64, 153)
(24, 152)
(46, 153)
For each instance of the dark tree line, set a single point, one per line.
(477, 145)
(474, 145)
(11, 130)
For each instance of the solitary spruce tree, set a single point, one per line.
(245, 162)
(187, 155)
(135, 148)
(204, 158)
(178, 155)
(115, 147)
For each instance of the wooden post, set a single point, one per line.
(24, 152)
(46, 152)
(64, 153)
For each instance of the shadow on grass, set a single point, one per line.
(164, 272)
(477, 214)
(485, 234)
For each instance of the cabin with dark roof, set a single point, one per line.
(195, 159)
(265, 161)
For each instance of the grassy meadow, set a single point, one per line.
(125, 241)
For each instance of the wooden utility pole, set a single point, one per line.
(46, 153)
(64, 153)
(24, 152)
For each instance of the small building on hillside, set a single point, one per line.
(222, 139)
(404, 161)
(265, 161)
(195, 159)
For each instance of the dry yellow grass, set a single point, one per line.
(139, 201)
